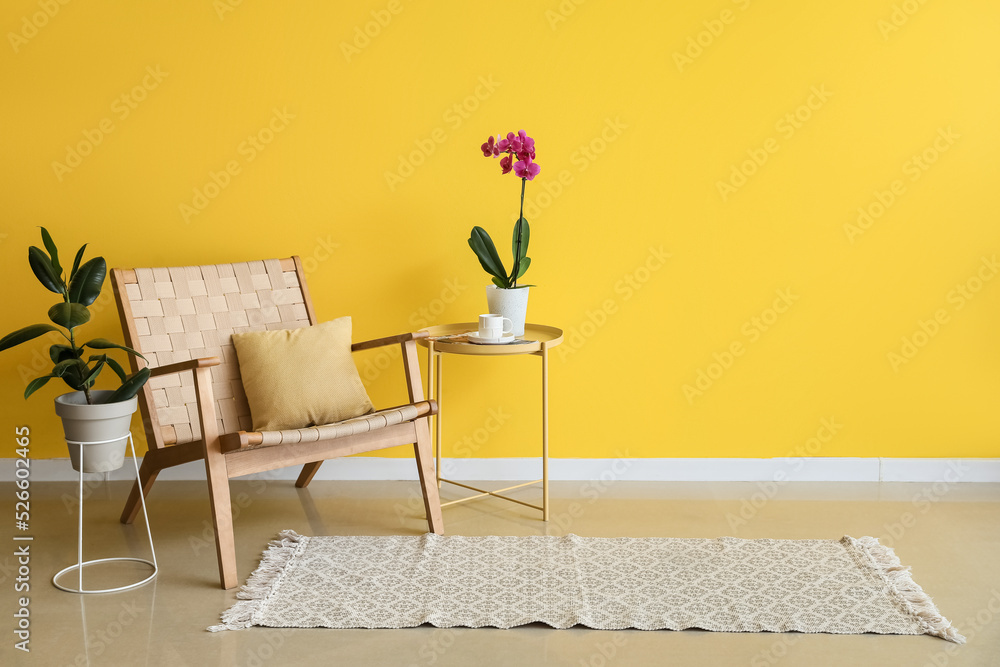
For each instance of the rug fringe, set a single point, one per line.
(262, 582)
(916, 601)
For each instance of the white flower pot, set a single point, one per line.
(98, 422)
(511, 303)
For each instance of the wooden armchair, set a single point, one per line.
(193, 407)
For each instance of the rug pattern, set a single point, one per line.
(845, 586)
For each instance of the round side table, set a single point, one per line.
(80, 563)
(450, 339)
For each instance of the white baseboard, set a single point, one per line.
(829, 469)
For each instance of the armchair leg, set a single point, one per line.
(222, 519)
(308, 471)
(218, 479)
(424, 455)
(147, 475)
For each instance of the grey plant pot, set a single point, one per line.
(89, 423)
(511, 303)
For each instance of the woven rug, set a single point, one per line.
(847, 586)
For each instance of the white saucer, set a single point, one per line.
(503, 340)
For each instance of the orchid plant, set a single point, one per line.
(522, 147)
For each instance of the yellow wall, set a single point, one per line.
(638, 130)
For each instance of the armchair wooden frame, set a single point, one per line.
(227, 449)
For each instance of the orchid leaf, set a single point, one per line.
(523, 265)
(482, 245)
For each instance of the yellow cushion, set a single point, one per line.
(301, 377)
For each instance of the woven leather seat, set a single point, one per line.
(354, 426)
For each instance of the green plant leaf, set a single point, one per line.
(523, 265)
(105, 344)
(130, 387)
(76, 261)
(24, 335)
(53, 251)
(86, 284)
(69, 315)
(91, 377)
(41, 266)
(525, 237)
(116, 367)
(72, 372)
(502, 284)
(482, 245)
(36, 384)
(59, 353)
(66, 365)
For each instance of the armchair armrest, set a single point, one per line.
(390, 340)
(189, 365)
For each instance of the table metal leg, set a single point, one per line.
(437, 421)
(431, 396)
(545, 433)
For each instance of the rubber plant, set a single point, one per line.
(522, 147)
(78, 290)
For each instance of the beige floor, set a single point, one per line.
(952, 544)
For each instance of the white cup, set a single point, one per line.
(494, 326)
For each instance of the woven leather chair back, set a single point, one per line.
(189, 312)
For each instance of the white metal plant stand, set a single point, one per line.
(80, 563)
